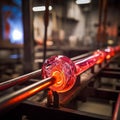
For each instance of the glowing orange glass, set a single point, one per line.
(65, 71)
(101, 55)
(62, 69)
(110, 52)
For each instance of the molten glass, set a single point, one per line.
(62, 69)
(110, 52)
(84, 64)
(65, 71)
(101, 56)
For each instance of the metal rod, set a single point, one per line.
(9, 83)
(20, 79)
(22, 94)
(28, 47)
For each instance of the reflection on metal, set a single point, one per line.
(22, 94)
(59, 74)
(20, 79)
(66, 71)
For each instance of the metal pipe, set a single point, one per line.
(20, 79)
(57, 77)
(15, 81)
(22, 94)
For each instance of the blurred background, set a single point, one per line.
(33, 30)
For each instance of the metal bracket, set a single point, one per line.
(52, 99)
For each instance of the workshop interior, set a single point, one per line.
(59, 59)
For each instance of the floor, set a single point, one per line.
(95, 107)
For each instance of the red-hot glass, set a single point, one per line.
(110, 52)
(117, 49)
(65, 71)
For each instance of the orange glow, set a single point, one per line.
(101, 57)
(60, 81)
(59, 76)
(110, 52)
(63, 70)
(61, 84)
(25, 95)
(108, 57)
